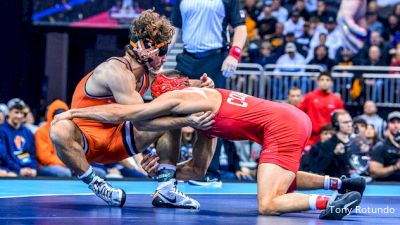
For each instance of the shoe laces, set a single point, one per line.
(177, 191)
(104, 189)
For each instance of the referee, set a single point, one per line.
(204, 26)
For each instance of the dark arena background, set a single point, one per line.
(338, 61)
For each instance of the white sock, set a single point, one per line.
(312, 202)
(326, 182)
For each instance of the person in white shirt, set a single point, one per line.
(333, 39)
(294, 24)
(279, 12)
(287, 63)
(371, 117)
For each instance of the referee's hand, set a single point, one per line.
(229, 66)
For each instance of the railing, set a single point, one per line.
(379, 83)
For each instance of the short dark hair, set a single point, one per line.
(359, 120)
(294, 88)
(325, 74)
(326, 127)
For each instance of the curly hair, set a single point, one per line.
(153, 26)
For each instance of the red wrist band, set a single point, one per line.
(235, 52)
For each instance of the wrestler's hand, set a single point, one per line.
(206, 81)
(62, 116)
(149, 164)
(201, 120)
(229, 66)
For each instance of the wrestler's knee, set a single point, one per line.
(62, 132)
(267, 207)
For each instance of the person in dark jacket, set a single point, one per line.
(17, 142)
(333, 156)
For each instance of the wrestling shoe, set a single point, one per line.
(352, 184)
(113, 196)
(169, 196)
(341, 206)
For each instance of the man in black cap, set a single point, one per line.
(385, 159)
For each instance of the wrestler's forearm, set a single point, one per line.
(161, 124)
(98, 114)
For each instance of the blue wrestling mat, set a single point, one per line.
(71, 202)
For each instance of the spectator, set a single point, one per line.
(333, 156)
(248, 153)
(391, 28)
(287, 63)
(319, 105)
(4, 170)
(371, 117)
(277, 39)
(3, 113)
(321, 58)
(385, 159)
(251, 8)
(396, 10)
(311, 152)
(311, 5)
(252, 32)
(48, 161)
(322, 13)
(375, 40)
(17, 141)
(292, 58)
(333, 40)
(396, 58)
(372, 22)
(294, 96)
(279, 12)
(374, 57)
(359, 149)
(371, 135)
(239, 160)
(344, 57)
(265, 56)
(303, 42)
(266, 25)
(294, 24)
(29, 120)
(300, 7)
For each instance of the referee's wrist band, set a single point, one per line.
(235, 52)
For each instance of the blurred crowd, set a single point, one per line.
(26, 148)
(301, 32)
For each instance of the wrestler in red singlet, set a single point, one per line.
(281, 129)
